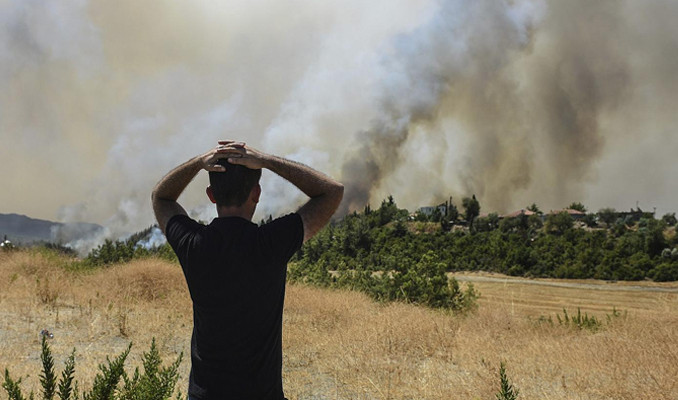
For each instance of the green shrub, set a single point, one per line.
(156, 382)
(506, 390)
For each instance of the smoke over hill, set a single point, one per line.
(21, 229)
(515, 101)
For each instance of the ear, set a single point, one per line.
(255, 193)
(210, 194)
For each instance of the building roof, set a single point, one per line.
(519, 213)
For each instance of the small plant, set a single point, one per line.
(47, 377)
(107, 379)
(506, 391)
(46, 293)
(156, 382)
(616, 314)
(13, 387)
(580, 321)
(122, 322)
(66, 391)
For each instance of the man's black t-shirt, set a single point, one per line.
(235, 271)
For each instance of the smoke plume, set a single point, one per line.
(515, 101)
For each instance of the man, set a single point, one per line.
(235, 270)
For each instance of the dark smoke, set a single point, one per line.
(448, 68)
(376, 156)
(531, 85)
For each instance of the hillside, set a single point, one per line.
(21, 229)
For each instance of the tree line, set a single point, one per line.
(605, 245)
(392, 254)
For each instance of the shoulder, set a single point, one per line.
(289, 222)
(283, 235)
(183, 220)
(180, 226)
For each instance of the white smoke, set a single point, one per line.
(155, 239)
(516, 101)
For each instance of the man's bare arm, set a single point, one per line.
(166, 192)
(325, 193)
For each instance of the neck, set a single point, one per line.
(235, 211)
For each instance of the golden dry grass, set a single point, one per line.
(341, 345)
(97, 313)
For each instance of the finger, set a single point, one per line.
(230, 148)
(216, 168)
(228, 153)
(235, 160)
(232, 143)
(213, 162)
(222, 149)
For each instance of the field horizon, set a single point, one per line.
(342, 345)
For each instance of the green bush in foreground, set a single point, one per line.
(156, 382)
(506, 390)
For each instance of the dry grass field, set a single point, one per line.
(342, 345)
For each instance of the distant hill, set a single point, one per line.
(21, 229)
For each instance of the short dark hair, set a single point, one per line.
(233, 186)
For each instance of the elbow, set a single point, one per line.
(154, 196)
(337, 191)
(157, 194)
(338, 194)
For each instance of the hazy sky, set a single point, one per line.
(514, 101)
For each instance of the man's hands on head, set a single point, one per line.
(166, 192)
(236, 153)
(324, 193)
(240, 154)
(225, 149)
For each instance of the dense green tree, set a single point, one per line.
(619, 227)
(516, 224)
(471, 209)
(665, 272)
(607, 215)
(653, 235)
(577, 206)
(436, 215)
(590, 220)
(535, 209)
(670, 219)
(452, 212)
(558, 223)
(421, 217)
(486, 224)
(534, 223)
